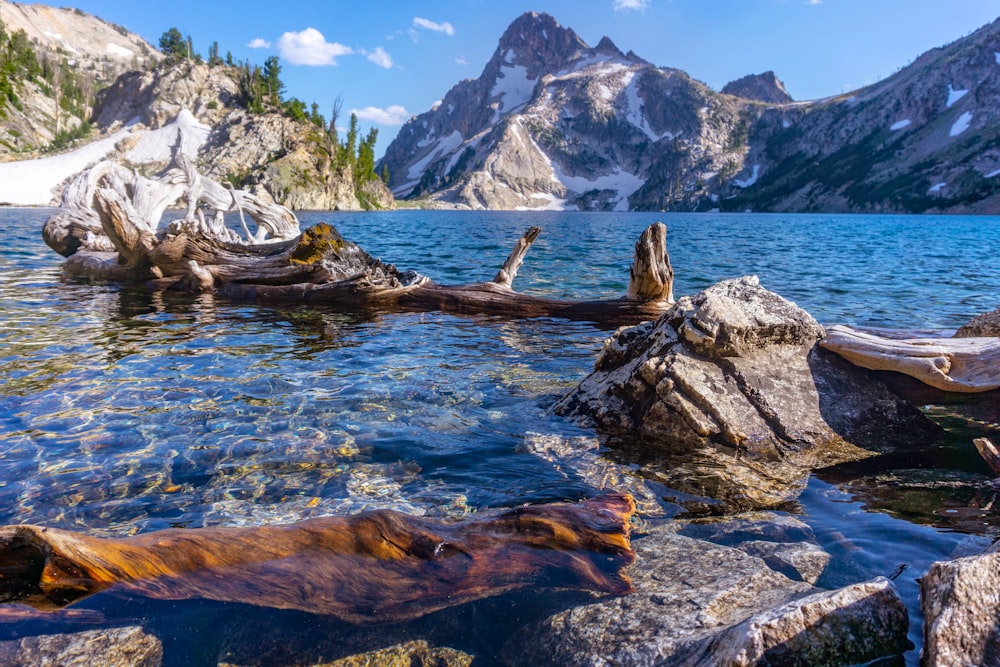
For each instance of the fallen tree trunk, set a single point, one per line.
(318, 266)
(375, 567)
(949, 364)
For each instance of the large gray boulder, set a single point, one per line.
(698, 603)
(961, 604)
(730, 385)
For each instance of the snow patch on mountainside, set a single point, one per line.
(514, 89)
(961, 125)
(955, 95)
(444, 146)
(621, 182)
(900, 124)
(636, 111)
(747, 182)
(156, 145)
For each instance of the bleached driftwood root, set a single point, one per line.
(197, 253)
(950, 364)
(79, 226)
(374, 567)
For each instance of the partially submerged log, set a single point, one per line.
(276, 263)
(949, 364)
(375, 567)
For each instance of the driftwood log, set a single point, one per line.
(964, 365)
(375, 567)
(109, 227)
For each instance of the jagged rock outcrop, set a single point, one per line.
(730, 383)
(289, 159)
(554, 123)
(766, 87)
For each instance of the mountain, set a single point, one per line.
(554, 123)
(63, 57)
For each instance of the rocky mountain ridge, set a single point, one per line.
(76, 54)
(553, 123)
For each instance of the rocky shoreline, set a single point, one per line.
(731, 383)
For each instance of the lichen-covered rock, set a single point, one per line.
(698, 603)
(987, 324)
(961, 604)
(732, 380)
(112, 647)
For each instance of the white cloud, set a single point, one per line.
(393, 115)
(380, 58)
(259, 43)
(631, 5)
(814, 2)
(310, 47)
(445, 27)
(461, 60)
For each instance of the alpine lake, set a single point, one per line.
(124, 411)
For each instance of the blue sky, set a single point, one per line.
(391, 60)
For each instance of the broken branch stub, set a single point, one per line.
(651, 277)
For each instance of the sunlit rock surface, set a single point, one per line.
(698, 603)
(730, 383)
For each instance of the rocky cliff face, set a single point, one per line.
(291, 160)
(287, 158)
(554, 123)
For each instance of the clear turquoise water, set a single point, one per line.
(123, 411)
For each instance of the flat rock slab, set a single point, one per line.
(698, 603)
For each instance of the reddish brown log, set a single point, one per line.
(374, 567)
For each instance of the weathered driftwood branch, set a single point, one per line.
(318, 267)
(505, 277)
(373, 567)
(948, 364)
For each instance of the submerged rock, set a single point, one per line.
(113, 647)
(698, 603)
(731, 381)
(409, 654)
(961, 605)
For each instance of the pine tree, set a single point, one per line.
(173, 44)
(272, 80)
